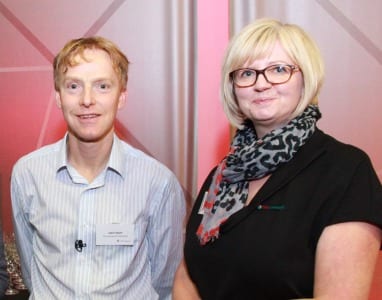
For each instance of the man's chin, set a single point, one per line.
(89, 138)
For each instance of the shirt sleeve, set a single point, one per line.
(22, 228)
(362, 197)
(165, 236)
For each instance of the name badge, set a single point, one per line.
(115, 234)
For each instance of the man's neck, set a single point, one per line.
(89, 158)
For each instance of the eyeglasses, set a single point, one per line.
(274, 74)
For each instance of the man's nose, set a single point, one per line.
(87, 98)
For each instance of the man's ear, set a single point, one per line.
(58, 99)
(122, 99)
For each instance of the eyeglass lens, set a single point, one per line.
(273, 74)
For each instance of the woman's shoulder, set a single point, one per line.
(326, 154)
(339, 150)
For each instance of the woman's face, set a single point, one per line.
(270, 106)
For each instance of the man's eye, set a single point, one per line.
(72, 86)
(103, 86)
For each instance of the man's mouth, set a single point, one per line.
(88, 116)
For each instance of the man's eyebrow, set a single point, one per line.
(92, 80)
(71, 78)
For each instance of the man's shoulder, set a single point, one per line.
(42, 154)
(135, 156)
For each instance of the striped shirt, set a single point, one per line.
(54, 206)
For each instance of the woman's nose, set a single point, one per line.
(261, 83)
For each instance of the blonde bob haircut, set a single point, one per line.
(67, 57)
(255, 41)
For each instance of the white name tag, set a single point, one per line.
(115, 234)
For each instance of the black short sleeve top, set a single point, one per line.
(267, 249)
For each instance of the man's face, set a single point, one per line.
(90, 96)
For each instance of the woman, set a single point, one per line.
(290, 212)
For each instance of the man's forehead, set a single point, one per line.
(88, 55)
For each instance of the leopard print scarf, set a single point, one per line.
(249, 159)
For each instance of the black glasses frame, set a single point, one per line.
(262, 72)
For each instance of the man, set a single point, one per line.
(95, 218)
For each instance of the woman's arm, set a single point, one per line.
(184, 288)
(345, 260)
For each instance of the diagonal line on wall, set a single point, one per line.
(129, 137)
(25, 69)
(120, 128)
(26, 32)
(112, 8)
(93, 29)
(353, 30)
(41, 136)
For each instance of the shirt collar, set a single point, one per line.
(61, 162)
(116, 160)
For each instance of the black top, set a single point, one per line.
(269, 253)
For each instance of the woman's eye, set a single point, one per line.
(280, 69)
(247, 73)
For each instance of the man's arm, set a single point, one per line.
(23, 231)
(165, 237)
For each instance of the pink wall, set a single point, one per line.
(213, 127)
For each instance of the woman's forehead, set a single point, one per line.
(272, 52)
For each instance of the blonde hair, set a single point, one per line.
(67, 58)
(256, 40)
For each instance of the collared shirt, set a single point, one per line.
(54, 206)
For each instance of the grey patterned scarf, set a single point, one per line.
(249, 159)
